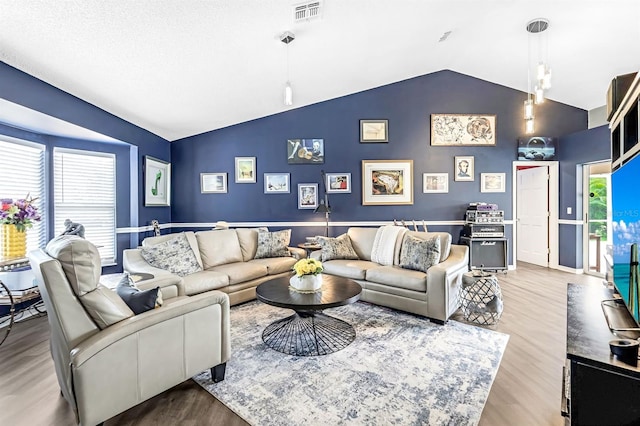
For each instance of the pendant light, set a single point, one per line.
(542, 72)
(287, 37)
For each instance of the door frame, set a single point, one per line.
(586, 177)
(554, 199)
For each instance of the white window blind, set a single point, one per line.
(85, 192)
(22, 174)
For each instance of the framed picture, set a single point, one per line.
(307, 195)
(492, 182)
(387, 182)
(245, 169)
(157, 182)
(374, 131)
(435, 182)
(537, 148)
(463, 130)
(463, 168)
(212, 183)
(305, 151)
(276, 183)
(338, 182)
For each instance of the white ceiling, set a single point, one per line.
(184, 67)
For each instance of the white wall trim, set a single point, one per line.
(577, 271)
(570, 222)
(128, 230)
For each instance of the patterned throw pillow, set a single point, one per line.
(337, 248)
(273, 244)
(174, 255)
(419, 254)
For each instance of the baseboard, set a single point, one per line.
(577, 271)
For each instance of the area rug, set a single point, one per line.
(400, 370)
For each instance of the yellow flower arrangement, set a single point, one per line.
(307, 267)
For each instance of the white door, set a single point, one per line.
(533, 215)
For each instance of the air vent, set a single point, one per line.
(306, 11)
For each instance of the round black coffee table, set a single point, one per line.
(308, 331)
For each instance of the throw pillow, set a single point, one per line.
(337, 248)
(138, 301)
(273, 244)
(419, 254)
(174, 255)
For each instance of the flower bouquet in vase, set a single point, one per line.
(307, 278)
(15, 218)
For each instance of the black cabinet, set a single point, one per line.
(598, 389)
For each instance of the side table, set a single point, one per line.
(481, 298)
(309, 247)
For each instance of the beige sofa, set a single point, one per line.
(433, 294)
(226, 258)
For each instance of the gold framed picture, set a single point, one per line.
(463, 130)
(387, 182)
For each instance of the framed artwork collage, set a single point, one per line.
(384, 182)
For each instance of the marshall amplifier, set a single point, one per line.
(487, 254)
(480, 216)
(479, 230)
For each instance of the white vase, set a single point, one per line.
(306, 283)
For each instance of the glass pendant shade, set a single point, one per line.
(546, 80)
(529, 126)
(540, 70)
(288, 94)
(528, 109)
(539, 92)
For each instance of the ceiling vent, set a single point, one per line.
(306, 11)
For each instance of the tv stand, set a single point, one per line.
(598, 389)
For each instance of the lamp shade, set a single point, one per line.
(322, 208)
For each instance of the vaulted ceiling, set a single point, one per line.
(182, 67)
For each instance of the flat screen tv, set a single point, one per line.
(537, 148)
(626, 233)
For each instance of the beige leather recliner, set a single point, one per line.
(107, 359)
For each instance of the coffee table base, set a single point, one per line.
(308, 334)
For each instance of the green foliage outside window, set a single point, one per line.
(598, 206)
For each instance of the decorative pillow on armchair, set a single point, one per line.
(419, 254)
(337, 248)
(273, 244)
(174, 255)
(137, 300)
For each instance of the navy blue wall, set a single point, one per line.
(578, 148)
(407, 105)
(26, 90)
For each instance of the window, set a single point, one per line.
(22, 174)
(85, 192)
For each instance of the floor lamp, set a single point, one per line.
(324, 206)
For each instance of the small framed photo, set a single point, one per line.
(387, 182)
(338, 183)
(213, 183)
(305, 151)
(435, 182)
(245, 169)
(307, 195)
(492, 182)
(157, 182)
(374, 131)
(276, 183)
(463, 168)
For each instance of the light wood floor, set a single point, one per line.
(526, 390)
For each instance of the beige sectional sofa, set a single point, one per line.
(226, 261)
(433, 294)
